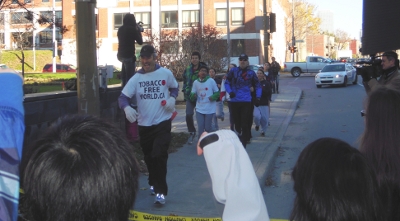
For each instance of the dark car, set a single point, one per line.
(60, 68)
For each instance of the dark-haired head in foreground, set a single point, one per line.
(82, 168)
(333, 181)
(380, 142)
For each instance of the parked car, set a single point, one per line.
(60, 68)
(3, 66)
(255, 67)
(336, 74)
(312, 65)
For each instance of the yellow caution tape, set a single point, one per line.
(140, 216)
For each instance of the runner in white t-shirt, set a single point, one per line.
(205, 92)
(155, 89)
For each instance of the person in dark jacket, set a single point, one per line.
(274, 73)
(190, 74)
(128, 34)
(238, 84)
(261, 113)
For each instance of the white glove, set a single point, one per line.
(170, 105)
(130, 113)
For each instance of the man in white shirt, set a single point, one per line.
(155, 89)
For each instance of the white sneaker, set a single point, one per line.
(160, 199)
(152, 190)
(192, 137)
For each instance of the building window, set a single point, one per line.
(48, 16)
(237, 16)
(24, 39)
(143, 17)
(237, 47)
(169, 19)
(19, 18)
(2, 41)
(118, 20)
(22, 1)
(190, 18)
(46, 37)
(221, 17)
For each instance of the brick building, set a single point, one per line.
(159, 15)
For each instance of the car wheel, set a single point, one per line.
(355, 79)
(318, 86)
(296, 72)
(345, 81)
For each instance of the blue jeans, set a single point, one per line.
(218, 114)
(204, 123)
(261, 116)
(189, 116)
(275, 86)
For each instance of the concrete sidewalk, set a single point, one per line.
(189, 183)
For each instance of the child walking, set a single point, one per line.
(261, 113)
(205, 92)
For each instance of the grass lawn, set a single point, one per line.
(48, 82)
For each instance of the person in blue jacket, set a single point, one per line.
(238, 84)
(12, 129)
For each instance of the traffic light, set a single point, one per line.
(292, 49)
(272, 22)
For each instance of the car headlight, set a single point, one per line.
(316, 76)
(339, 76)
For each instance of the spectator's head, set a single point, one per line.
(148, 57)
(129, 19)
(333, 181)
(389, 59)
(381, 137)
(82, 168)
(260, 74)
(273, 59)
(266, 66)
(212, 72)
(243, 61)
(203, 71)
(195, 58)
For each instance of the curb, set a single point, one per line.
(265, 168)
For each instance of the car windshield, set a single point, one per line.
(333, 68)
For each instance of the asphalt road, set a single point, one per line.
(322, 112)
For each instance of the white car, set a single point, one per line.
(336, 74)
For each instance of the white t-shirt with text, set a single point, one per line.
(150, 90)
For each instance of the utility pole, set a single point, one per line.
(293, 38)
(228, 34)
(88, 80)
(266, 34)
(54, 38)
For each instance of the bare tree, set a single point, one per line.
(342, 39)
(305, 22)
(174, 49)
(23, 20)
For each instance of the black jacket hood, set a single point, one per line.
(129, 19)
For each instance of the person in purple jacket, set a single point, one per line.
(238, 84)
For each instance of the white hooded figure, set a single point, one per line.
(234, 181)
